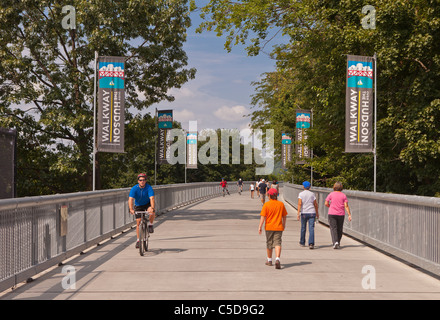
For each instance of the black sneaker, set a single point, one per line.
(137, 244)
(150, 228)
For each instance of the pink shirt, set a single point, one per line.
(336, 200)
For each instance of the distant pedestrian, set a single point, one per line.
(252, 189)
(274, 214)
(224, 185)
(337, 203)
(257, 188)
(308, 211)
(263, 189)
(275, 185)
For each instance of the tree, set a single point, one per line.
(46, 77)
(311, 74)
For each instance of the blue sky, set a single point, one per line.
(221, 92)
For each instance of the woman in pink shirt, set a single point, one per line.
(337, 203)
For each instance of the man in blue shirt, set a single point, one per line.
(141, 198)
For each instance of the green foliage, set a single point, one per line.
(46, 78)
(229, 171)
(310, 74)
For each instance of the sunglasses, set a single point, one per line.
(142, 180)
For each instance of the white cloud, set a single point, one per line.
(184, 92)
(220, 94)
(231, 114)
(184, 115)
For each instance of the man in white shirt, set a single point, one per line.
(308, 211)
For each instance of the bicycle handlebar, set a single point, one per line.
(143, 211)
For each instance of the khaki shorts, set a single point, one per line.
(273, 239)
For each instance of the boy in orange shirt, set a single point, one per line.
(274, 213)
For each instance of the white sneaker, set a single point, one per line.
(336, 245)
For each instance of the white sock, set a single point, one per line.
(269, 259)
(278, 258)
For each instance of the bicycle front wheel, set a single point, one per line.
(147, 237)
(142, 233)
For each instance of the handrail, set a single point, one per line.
(405, 226)
(39, 232)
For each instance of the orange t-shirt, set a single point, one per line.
(274, 211)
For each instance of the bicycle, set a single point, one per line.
(144, 233)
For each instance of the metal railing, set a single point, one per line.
(38, 232)
(405, 226)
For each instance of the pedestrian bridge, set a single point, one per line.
(205, 246)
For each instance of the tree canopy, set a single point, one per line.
(46, 85)
(46, 78)
(310, 74)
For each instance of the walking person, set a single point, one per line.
(275, 185)
(263, 189)
(307, 212)
(252, 189)
(257, 183)
(338, 204)
(274, 215)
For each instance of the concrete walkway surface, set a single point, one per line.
(212, 250)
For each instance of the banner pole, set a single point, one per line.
(94, 123)
(375, 119)
(311, 151)
(155, 149)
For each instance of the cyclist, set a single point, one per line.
(224, 185)
(240, 186)
(141, 198)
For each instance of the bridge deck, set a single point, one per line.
(212, 250)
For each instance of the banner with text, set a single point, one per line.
(111, 104)
(359, 104)
(191, 150)
(8, 163)
(165, 119)
(165, 124)
(286, 149)
(303, 122)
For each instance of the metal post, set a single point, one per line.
(311, 152)
(94, 123)
(375, 119)
(155, 150)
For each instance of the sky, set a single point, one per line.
(220, 94)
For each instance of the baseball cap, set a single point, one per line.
(306, 184)
(272, 191)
